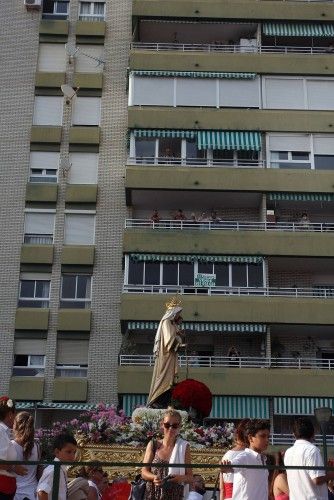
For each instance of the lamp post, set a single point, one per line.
(323, 416)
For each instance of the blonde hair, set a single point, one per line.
(24, 430)
(171, 412)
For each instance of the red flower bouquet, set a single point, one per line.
(193, 394)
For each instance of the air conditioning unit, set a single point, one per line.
(33, 4)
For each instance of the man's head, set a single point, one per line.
(303, 428)
(65, 447)
(198, 484)
(257, 432)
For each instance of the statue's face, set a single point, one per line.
(178, 318)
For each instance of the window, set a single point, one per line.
(38, 228)
(75, 291)
(324, 162)
(84, 64)
(145, 150)
(92, 11)
(30, 365)
(290, 159)
(72, 357)
(83, 168)
(48, 110)
(55, 9)
(152, 91)
(86, 111)
(52, 57)
(169, 148)
(239, 93)
(34, 292)
(79, 229)
(44, 167)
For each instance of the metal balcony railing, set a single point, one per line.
(315, 293)
(239, 49)
(289, 439)
(226, 362)
(318, 227)
(194, 162)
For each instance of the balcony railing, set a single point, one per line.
(239, 49)
(289, 439)
(226, 362)
(194, 162)
(318, 227)
(314, 293)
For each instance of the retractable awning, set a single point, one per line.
(298, 29)
(203, 327)
(237, 259)
(154, 133)
(301, 196)
(300, 406)
(130, 401)
(237, 407)
(25, 405)
(196, 74)
(230, 140)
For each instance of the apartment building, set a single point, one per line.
(223, 110)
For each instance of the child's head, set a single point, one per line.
(198, 484)
(303, 428)
(257, 432)
(65, 447)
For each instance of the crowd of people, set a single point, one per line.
(247, 472)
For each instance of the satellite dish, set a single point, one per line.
(69, 92)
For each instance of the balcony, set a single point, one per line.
(30, 318)
(36, 254)
(70, 389)
(194, 162)
(23, 387)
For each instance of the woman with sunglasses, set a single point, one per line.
(167, 482)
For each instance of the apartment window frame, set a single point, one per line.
(38, 302)
(30, 367)
(55, 14)
(49, 237)
(290, 160)
(74, 302)
(80, 212)
(73, 371)
(91, 16)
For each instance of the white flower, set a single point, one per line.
(10, 403)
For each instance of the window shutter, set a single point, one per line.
(320, 94)
(239, 93)
(290, 142)
(48, 110)
(84, 64)
(153, 91)
(197, 92)
(30, 346)
(72, 352)
(39, 223)
(86, 111)
(51, 57)
(79, 229)
(283, 93)
(323, 145)
(41, 159)
(83, 168)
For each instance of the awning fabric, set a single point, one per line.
(203, 327)
(154, 133)
(298, 29)
(196, 74)
(236, 407)
(130, 401)
(231, 140)
(301, 196)
(154, 257)
(24, 405)
(300, 406)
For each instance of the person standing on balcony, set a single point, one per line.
(167, 342)
(305, 484)
(180, 215)
(155, 217)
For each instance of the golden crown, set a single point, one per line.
(174, 302)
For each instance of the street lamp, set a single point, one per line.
(323, 416)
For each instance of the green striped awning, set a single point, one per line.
(301, 196)
(203, 327)
(298, 29)
(130, 401)
(300, 406)
(154, 133)
(236, 407)
(231, 140)
(196, 74)
(236, 259)
(24, 405)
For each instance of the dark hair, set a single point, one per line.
(255, 425)
(303, 428)
(278, 460)
(24, 431)
(5, 408)
(62, 440)
(239, 433)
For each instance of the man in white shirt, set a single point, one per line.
(306, 484)
(252, 484)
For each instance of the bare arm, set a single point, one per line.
(281, 485)
(146, 470)
(20, 470)
(42, 495)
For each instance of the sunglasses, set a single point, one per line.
(167, 425)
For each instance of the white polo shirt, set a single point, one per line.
(250, 484)
(300, 482)
(46, 481)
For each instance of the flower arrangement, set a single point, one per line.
(191, 393)
(9, 402)
(107, 425)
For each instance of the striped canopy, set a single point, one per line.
(237, 259)
(196, 74)
(301, 196)
(237, 407)
(231, 140)
(130, 401)
(154, 133)
(300, 406)
(203, 327)
(25, 405)
(298, 29)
